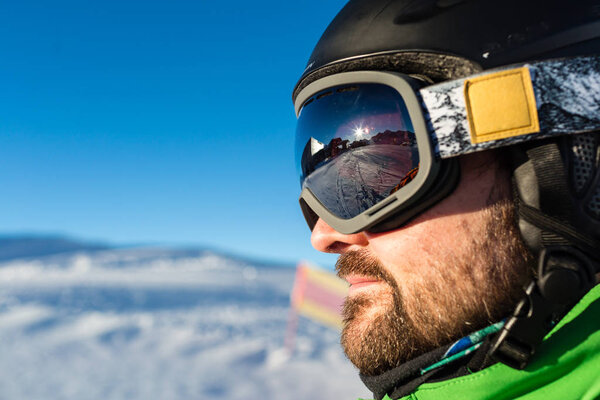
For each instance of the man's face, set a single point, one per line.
(456, 268)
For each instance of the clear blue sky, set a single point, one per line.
(156, 121)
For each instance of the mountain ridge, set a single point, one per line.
(30, 246)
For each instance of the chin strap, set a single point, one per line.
(568, 257)
(565, 275)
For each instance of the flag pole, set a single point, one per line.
(290, 333)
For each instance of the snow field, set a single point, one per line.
(156, 324)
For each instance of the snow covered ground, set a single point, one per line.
(151, 323)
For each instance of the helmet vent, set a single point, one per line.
(584, 161)
(594, 204)
(585, 156)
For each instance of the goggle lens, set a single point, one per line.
(355, 145)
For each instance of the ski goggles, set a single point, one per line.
(374, 149)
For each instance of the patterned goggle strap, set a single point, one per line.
(512, 105)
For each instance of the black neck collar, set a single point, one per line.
(404, 379)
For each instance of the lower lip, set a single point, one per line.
(361, 285)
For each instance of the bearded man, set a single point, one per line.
(449, 153)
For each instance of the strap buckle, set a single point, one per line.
(565, 275)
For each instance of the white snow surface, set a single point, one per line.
(152, 323)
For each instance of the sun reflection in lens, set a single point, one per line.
(360, 132)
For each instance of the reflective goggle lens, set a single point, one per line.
(355, 145)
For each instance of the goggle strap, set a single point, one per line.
(532, 101)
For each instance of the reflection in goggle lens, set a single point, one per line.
(355, 145)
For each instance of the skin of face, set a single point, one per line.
(443, 265)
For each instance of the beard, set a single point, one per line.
(443, 302)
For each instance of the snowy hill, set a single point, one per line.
(94, 322)
(37, 246)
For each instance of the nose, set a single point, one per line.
(326, 239)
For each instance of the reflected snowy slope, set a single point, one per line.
(360, 178)
(151, 323)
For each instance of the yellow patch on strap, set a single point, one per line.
(501, 105)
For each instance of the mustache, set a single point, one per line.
(361, 262)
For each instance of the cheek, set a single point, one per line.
(401, 250)
(418, 245)
(450, 234)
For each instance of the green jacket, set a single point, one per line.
(566, 366)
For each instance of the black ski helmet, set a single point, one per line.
(447, 39)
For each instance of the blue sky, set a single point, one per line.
(156, 121)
